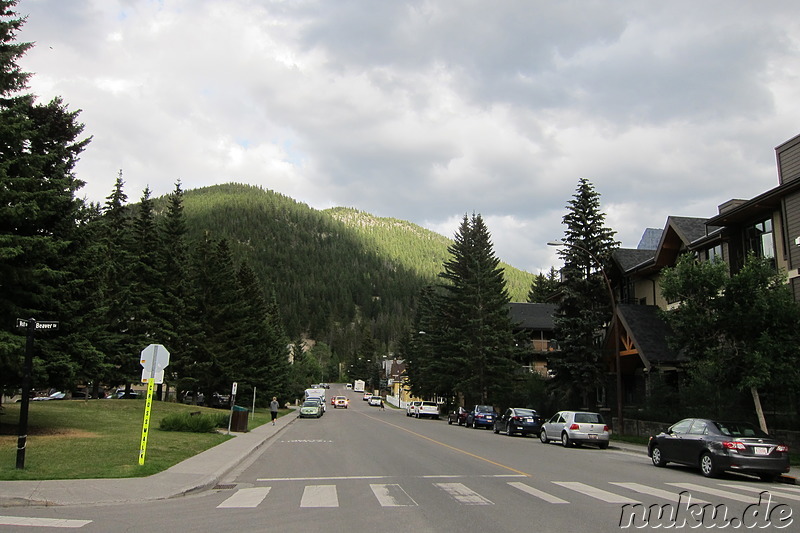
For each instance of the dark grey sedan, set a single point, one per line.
(716, 447)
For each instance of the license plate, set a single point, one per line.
(760, 451)
(592, 436)
(529, 420)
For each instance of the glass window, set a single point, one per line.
(714, 253)
(759, 239)
(589, 418)
(698, 428)
(681, 427)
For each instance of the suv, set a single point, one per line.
(480, 416)
(574, 428)
(459, 416)
(411, 410)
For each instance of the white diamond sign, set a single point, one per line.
(155, 358)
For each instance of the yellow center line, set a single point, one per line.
(475, 456)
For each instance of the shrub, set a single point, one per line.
(191, 422)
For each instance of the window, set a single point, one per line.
(714, 253)
(681, 427)
(698, 428)
(758, 239)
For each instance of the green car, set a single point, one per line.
(311, 409)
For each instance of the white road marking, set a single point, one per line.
(250, 497)
(392, 495)
(691, 487)
(536, 492)
(462, 494)
(600, 494)
(327, 478)
(659, 493)
(42, 522)
(759, 490)
(320, 496)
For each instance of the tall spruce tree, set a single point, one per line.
(544, 288)
(585, 306)
(38, 207)
(473, 335)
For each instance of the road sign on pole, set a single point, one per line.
(154, 359)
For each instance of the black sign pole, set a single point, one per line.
(26, 395)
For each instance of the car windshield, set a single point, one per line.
(484, 409)
(589, 418)
(525, 412)
(429, 404)
(311, 403)
(739, 429)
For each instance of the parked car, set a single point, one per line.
(459, 416)
(574, 428)
(715, 447)
(340, 401)
(312, 408)
(130, 395)
(349, 386)
(518, 420)
(427, 409)
(54, 396)
(481, 416)
(411, 408)
(367, 396)
(375, 401)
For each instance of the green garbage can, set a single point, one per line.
(239, 419)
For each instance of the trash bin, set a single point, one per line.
(239, 419)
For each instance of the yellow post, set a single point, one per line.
(146, 424)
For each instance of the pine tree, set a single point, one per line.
(585, 306)
(38, 208)
(544, 288)
(473, 335)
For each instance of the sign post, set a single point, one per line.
(233, 403)
(154, 359)
(32, 326)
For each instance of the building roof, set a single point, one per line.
(533, 316)
(744, 211)
(649, 333)
(628, 258)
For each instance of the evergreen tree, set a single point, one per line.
(544, 288)
(38, 208)
(472, 335)
(585, 306)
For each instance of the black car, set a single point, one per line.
(459, 416)
(518, 420)
(480, 416)
(716, 447)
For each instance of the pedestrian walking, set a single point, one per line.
(382, 407)
(273, 409)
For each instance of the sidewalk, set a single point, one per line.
(201, 472)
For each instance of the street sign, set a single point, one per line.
(40, 324)
(154, 359)
(233, 389)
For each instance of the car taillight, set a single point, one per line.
(516, 418)
(574, 427)
(606, 428)
(782, 448)
(733, 445)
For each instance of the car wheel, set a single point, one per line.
(658, 459)
(496, 429)
(769, 477)
(603, 445)
(707, 466)
(449, 422)
(543, 437)
(508, 431)
(474, 425)
(565, 440)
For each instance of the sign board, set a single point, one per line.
(41, 325)
(233, 390)
(154, 359)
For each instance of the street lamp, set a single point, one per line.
(613, 300)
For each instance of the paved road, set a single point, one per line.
(365, 469)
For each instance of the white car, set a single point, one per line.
(429, 409)
(375, 400)
(411, 409)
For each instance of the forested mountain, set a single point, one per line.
(333, 271)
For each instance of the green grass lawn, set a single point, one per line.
(77, 439)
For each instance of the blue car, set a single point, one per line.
(481, 416)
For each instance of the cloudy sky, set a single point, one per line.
(430, 110)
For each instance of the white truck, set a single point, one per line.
(358, 385)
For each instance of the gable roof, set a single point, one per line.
(532, 316)
(649, 333)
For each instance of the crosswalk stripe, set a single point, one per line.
(42, 522)
(250, 497)
(549, 498)
(691, 487)
(392, 495)
(462, 494)
(600, 494)
(652, 491)
(759, 490)
(319, 496)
